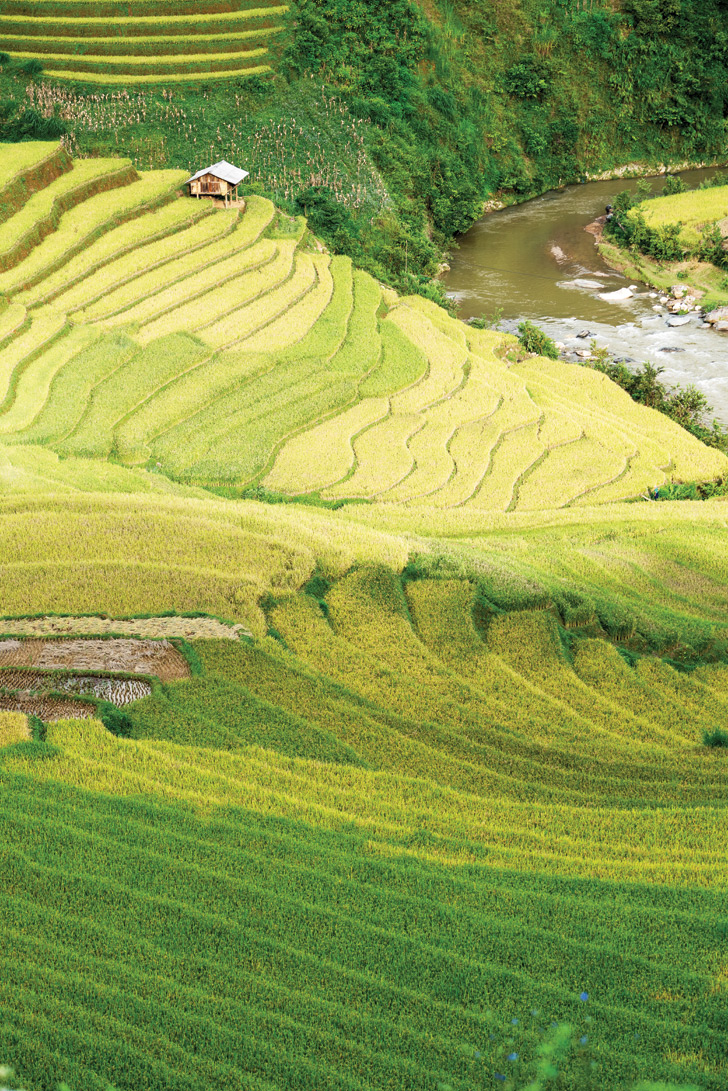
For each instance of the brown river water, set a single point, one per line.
(536, 261)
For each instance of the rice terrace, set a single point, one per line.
(363, 670)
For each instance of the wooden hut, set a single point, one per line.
(221, 180)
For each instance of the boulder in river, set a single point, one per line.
(721, 327)
(720, 314)
(678, 320)
(620, 296)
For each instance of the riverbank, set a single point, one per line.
(625, 172)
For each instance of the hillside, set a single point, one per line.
(227, 349)
(359, 793)
(391, 125)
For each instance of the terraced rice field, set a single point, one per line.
(432, 773)
(145, 41)
(154, 331)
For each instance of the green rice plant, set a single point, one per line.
(31, 387)
(71, 386)
(215, 713)
(289, 329)
(42, 211)
(326, 336)
(182, 398)
(115, 396)
(401, 364)
(360, 350)
(233, 439)
(601, 666)
(44, 327)
(148, 230)
(324, 453)
(145, 300)
(81, 226)
(218, 316)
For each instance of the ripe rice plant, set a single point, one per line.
(271, 300)
(65, 288)
(41, 212)
(217, 316)
(80, 226)
(297, 320)
(12, 318)
(44, 327)
(13, 728)
(31, 387)
(324, 454)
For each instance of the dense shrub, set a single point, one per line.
(532, 339)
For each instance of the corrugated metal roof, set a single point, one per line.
(223, 170)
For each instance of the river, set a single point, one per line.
(536, 261)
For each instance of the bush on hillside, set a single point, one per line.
(532, 339)
(17, 125)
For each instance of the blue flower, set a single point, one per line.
(584, 1039)
(584, 996)
(499, 1076)
(478, 1055)
(512, 1057)
(534, 1012)
(514, 1022)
